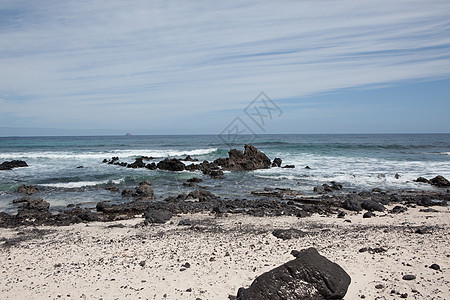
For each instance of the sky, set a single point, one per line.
(199, 67)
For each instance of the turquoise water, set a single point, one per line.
(357, 161)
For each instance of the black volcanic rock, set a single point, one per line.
(157, 216)
(352, 202)
(139, 163)
(309, 276)
(440, 181)
(250, 159)
(422, 180)
(371, 205)
(27, 189)
(276, 162)
(171, 165)
(144, 189)
(9, 165)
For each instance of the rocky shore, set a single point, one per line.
(277, 221)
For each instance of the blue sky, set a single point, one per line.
(189, 67)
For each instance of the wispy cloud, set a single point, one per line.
(131, 64)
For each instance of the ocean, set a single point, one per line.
(357, 161)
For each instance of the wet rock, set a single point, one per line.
(9, 165)
(250, 159)
(128, 193)
(34, 208)
(157, 216)
(194, 179)
(145, 189)
(319, 189)
(341, 214)
(371, 205)
(139, 163)
(151, 166)
(171, 165)
(422, 180)
(112, 189)
(440, 181)
(287, 234)
(309, 276)
(307, 168)
(189, 158)
(27, 189)
(288, 167)
(185, 222)
(276, 162)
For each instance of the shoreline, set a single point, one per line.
(123, 258)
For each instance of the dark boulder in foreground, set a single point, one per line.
(309, 276)
(9, 165)
(250, 159)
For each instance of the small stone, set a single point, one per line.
(435, 267)
(189, 290)
(379, 286)
(405, 295)
(142, 263)
(409, 277)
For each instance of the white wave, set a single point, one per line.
(106, 154)
(79, 184)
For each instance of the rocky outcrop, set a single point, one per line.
(325, 188)
(173, 164)
(27, 189)
(276, 162)
(440, 181)
(309, 276)
(250, 159)
(9, 165)
(144, 190)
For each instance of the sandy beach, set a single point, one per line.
(211, 257)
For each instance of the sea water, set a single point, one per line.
(358, 162)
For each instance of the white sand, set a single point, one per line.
(92, 261)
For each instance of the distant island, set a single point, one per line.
(128, 134)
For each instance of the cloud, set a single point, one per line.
(128, 64)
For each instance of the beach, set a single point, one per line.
(213, 256)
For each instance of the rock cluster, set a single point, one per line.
(9, 165)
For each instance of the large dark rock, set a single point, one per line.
(422, 180)
(309, 276)
(371, 205)
(27, 189)
(144, 189)
(9, 165)
(157, 216)
(440, 181)
(201, 195)
(353, 203)
(250, 159)
(139, 163)
(33, 208)
(276, 162)
(171, 165)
